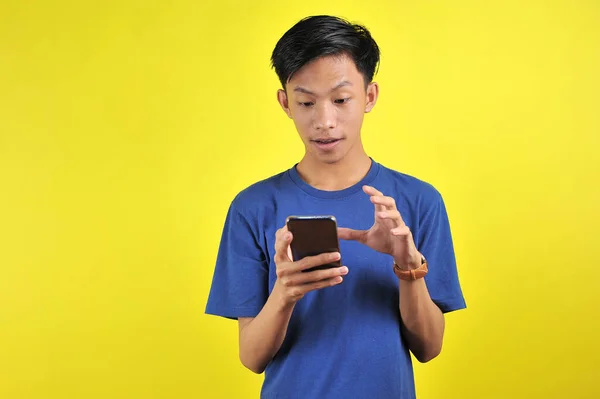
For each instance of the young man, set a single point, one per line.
(345, 332)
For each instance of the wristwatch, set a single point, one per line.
(413, 274)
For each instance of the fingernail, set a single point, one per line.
(335, 256)
(343, 270)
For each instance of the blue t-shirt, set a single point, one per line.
(342, 341)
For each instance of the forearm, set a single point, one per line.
(423, 322)
(262, 337)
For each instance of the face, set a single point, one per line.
(327, 101)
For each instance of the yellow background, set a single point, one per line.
(126, 128)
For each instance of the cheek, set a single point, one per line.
(302, 118)
(302, 123)
(353, 116)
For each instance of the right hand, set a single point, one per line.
(292, 283)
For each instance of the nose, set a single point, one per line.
(325, 117)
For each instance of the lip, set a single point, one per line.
(327, 146)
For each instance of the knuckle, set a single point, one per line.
(277, 258)
(300, 263)
(306, 262)
(328, 274)
(326, 257)
(322, 258)
(319, 275)
(280, 273)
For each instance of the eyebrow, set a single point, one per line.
(339, 85)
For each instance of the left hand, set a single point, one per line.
(389, 234)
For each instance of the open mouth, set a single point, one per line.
(327, 144)
(326, 141)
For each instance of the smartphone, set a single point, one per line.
(314, 235)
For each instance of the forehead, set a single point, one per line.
(326, 73)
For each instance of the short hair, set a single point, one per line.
(323, 35)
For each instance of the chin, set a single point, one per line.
(331, 158)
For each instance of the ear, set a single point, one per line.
(283, 101)
(372, 95)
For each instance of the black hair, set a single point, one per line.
(323, 35)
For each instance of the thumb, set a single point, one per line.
(351, 234)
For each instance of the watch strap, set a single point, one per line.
(412, 274)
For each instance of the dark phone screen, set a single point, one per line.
(312, 237)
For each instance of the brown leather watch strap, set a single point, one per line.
(413, 274)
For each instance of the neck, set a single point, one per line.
(334, 176)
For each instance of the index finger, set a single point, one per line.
(372, 191)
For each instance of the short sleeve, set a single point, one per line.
(435, 243)
(240, 281)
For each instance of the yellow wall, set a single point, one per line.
(115, 117)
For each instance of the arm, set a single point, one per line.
(261, 337)
(422, 321)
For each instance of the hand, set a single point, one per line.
(389, 234)
(292, 282)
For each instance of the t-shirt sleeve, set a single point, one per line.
(240, 281)
(435, 243)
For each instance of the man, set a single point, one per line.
(345, 332)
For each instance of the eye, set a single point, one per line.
(305, 104)
(341, 100)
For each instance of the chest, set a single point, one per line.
(367, 266)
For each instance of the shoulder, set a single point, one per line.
(257, 195)
(412, 188)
